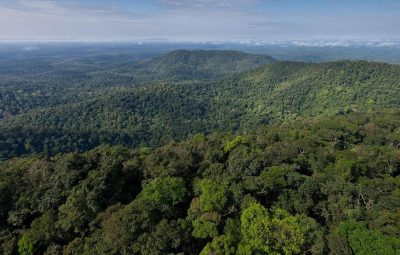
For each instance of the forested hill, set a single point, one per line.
(49, 81)
(291, 88)
(155, 114)
(315, 186)
(200, 64)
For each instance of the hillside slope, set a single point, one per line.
(72, 80)
(199, 65)
(153, 115)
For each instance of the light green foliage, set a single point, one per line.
(288, 232)
(233, 144)
(279, 233)
(25, 246)
(255, 221)
(41, 233)
(213, 195)
(206, 225)
(365, 241)
(167, 191)
(220, 245)
(224, 244)
(205, 211)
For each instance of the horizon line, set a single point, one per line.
(380, 42)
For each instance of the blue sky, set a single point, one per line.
(199, 20)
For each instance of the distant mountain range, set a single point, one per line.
(181, 65)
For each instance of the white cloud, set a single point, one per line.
(209, 4)
(208, 20)
(41, 6)
(53, 19)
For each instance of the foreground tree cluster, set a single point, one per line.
(315, 186)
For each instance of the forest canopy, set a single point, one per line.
(197, 152)
(315, 186)
(154, 114)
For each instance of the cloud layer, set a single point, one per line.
(198, 20)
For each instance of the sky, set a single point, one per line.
(199, 20)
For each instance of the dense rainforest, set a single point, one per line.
(154, 114)
(314, 186)
(197, 152)
(46, 81)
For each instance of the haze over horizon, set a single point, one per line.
(199, 20)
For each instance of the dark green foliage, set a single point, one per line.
(323, 178)
(315, 186)
(58, 78)
(155, 114)
(200, 65)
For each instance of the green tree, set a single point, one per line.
(277, 233)
(234, 143)
(225, 244)
(205, 211)
(167, 191)
(213, 195)
(364, 241)
(39, 236)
